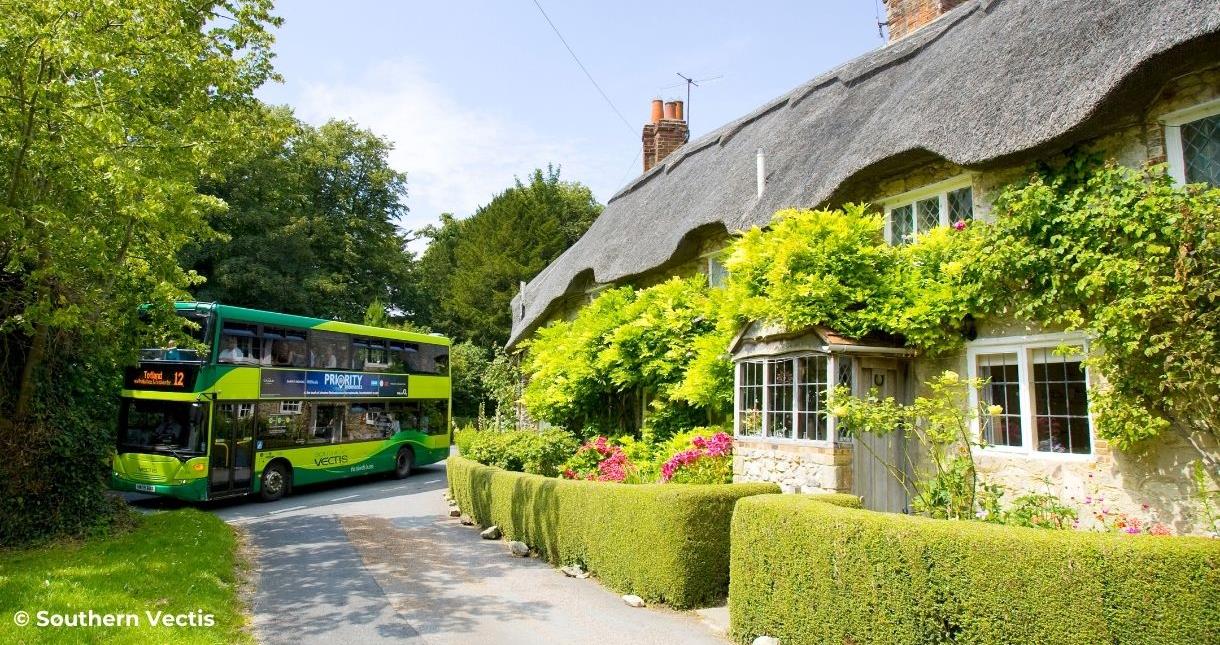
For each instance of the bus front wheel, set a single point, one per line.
(274, 482)
(403, 463)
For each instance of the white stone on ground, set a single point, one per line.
(519, 549)
(574, 571)
(633, 601)
(490, 533)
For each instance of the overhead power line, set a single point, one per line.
(583, 68)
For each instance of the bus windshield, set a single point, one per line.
(164, 427)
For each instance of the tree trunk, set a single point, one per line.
(33, 361)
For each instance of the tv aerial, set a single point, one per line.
(688, 82)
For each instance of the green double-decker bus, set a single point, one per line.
(264, 401)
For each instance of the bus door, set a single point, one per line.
(231, 461)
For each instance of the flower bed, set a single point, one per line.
(805, 571)
(662, 542)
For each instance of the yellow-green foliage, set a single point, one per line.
(623, 342)
(833, 268)
(663, 542)
(805, 571)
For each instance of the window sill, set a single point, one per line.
(780, 441)
(1009, 453)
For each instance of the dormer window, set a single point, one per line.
(1192, 144)
(914, 213)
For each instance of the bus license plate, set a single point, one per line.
(146, 488)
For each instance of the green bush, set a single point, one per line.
(527, 451)
(663, 542)
(463, 437)
(808, 572)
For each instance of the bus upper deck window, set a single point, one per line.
(237, 344)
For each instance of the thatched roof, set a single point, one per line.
(989, 83)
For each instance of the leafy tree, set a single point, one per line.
(110, 113)
(467, 363)
(434, 272)
(312, 226)
(502, 384)
(595, 370)
(474, 266)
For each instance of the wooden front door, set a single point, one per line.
(879, 462)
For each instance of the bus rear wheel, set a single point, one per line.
(403, 462)
(274, 482)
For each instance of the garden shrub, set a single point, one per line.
(463, 437)
(805, 571)
(529, 451)
(663, 542)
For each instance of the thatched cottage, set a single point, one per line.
(961, 100)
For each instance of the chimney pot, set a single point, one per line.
(666, 132)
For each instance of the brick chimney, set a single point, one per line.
(905, 16)
(665, 132)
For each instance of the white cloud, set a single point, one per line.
(456, 156)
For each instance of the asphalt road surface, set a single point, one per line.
(379, 560)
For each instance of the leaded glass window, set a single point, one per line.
(926, 209)
(1201, 150)
(846, 378)
(929, 214)
(961, 205)
(902, 228)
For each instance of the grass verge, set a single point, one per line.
(180, 563)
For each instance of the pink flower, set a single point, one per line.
(959, 225)
(1159, 529)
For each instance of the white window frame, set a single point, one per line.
(290, 407)
(940, 190)
(711, 259)
(1023, 347)
(1173, 122)
(832, 376)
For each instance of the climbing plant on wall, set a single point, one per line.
(1134, 261)
(1122, 255)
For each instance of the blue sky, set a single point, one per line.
(473, 93)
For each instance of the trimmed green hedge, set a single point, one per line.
(808, 572)
(663, 542)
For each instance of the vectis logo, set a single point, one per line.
(333, 460)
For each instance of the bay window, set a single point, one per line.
(785, 397)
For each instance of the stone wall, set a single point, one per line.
(797, 468)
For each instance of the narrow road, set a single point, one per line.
(378, 560)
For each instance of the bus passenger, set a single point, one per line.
(231, 353)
